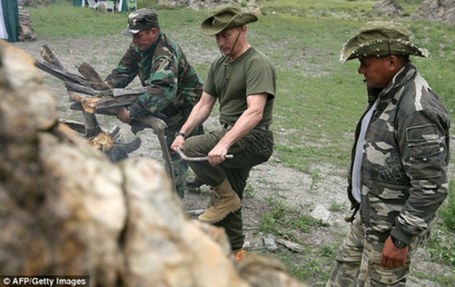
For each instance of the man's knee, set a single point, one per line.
(193, 147)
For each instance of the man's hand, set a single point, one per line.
(178, 143)
(123, 115)
(392, 256)
(217, 155)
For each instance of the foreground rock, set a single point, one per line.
(65, 209)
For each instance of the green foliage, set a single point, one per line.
(249, 191)
(447, 212)
(280, 219)
(336, 207)
(312, 265)
(441, 249)
(270, 220)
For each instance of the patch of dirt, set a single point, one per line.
(270, 180)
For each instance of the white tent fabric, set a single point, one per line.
(3, 32)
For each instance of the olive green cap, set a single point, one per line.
(226, 17)
(141, 19)
(381, 38)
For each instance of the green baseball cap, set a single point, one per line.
(225, 17)
(141, 19)
(381, 38)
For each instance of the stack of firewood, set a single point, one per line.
(26, 31)
(90, 95)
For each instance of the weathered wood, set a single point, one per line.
(92, 127)
(60, 74)
(92, 104)
(48, 55)
(78, 88)
(74, 125)
(94, 95)
(293, 246)
(92, 75)
(128, 92)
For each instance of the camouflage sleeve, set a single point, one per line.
(163, 83)
(424, 146)
(126, 69)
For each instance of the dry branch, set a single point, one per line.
(91, 95)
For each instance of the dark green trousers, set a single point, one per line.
(255, 148)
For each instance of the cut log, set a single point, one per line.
(90, 91)
(92, 75)
(90, 95)
(80, 88)
(92, 104)
(48, 55)
(60, 74)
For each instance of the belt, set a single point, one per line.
(227, 126)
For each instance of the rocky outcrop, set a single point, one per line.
(208, 4)
(436, 10)
(66, 209)
(387, 8)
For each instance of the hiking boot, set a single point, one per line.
(223, 201)
(239, 255)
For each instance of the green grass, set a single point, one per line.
(319, 100)
(447, 212)
(65, 20)
(281, 220)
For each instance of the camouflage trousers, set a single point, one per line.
(179, 167)
(358, 262)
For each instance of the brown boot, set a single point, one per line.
(223, 201)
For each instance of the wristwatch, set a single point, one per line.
(180, 133)
(398, 243)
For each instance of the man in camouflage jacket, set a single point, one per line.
(398, 176)
(174, 86)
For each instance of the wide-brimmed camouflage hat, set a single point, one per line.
(141, 19)
(225, 17)
(381, 38)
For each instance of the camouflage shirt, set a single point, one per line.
(405, 159)
(174, 84)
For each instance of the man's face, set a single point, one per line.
(145, 38)
(377, 71)
(226, 40)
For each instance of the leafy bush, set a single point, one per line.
(447, 212)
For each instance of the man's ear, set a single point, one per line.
(394, 63)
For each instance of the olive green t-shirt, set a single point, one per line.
(232, 82)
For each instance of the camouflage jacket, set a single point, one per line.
(174, 84)
(405, 159)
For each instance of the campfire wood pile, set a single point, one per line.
(65, 209)
(89, 94)
(26, 31)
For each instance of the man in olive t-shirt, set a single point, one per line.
(243, 81)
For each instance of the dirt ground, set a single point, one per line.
(269, 180)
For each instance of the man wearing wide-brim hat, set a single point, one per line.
(398, 175)
(243, 81)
